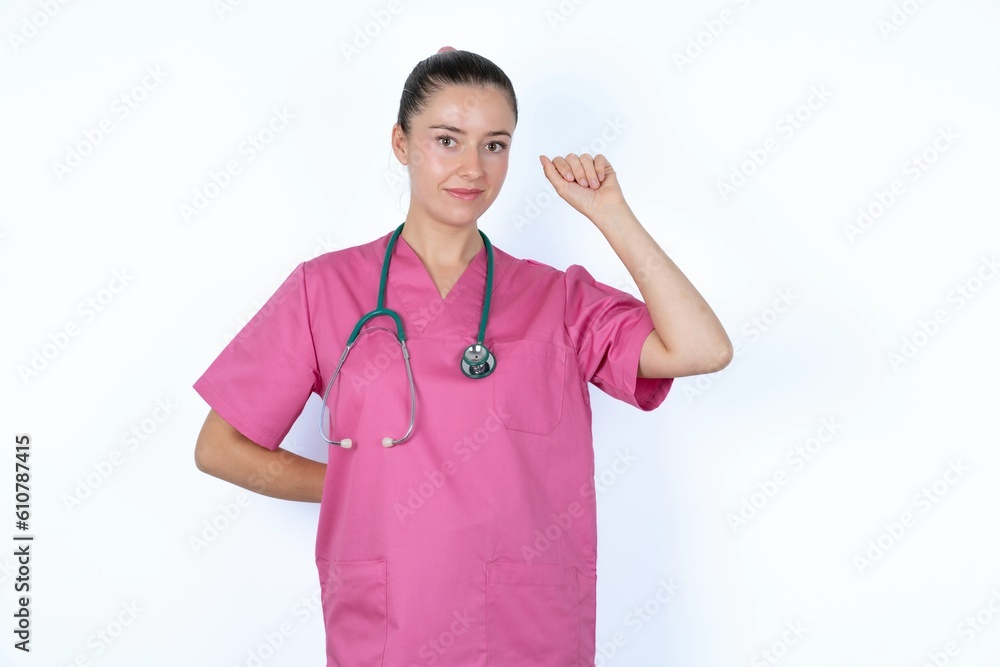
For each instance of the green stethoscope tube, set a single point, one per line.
(476, 362)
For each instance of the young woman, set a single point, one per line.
(458, 517)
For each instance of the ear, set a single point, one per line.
(399, 144)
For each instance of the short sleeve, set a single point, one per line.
(608, 327)
(262, 379)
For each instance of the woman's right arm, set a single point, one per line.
(224, 452)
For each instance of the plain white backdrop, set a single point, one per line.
(824, 173)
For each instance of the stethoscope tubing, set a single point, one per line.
(380, 309)
(346, 443)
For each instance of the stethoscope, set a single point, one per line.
(476, 362)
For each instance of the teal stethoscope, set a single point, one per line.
(476, 362)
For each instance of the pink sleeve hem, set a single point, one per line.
(218, 402)
(644, 393)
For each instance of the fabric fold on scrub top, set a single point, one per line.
(475, 541)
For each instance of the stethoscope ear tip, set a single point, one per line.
(346, 443)
(387, 442)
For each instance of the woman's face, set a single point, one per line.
(459, 142)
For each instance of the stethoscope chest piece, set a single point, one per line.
(478, 361)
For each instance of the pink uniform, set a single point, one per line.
(474, 542)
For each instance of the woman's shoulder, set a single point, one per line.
(529, 265)
(525, 273)
(333, 259)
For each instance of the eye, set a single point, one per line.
(502, 146)
(445, 137)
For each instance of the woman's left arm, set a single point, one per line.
(688, 338)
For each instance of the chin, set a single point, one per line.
(461, 221)
(463, 216)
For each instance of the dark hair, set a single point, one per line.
(455, 67)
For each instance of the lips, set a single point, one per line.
(464, 193)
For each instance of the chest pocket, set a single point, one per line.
(528, 385)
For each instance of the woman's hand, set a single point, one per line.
(587, 183)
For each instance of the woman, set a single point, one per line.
(472, 539)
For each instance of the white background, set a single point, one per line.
(894, 76)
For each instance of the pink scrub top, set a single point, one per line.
(475, 541)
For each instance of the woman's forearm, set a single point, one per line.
(224, 452)
(693, 339)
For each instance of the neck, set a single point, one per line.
(441, 245)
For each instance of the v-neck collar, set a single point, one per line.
(458, 314)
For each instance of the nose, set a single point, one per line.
(471, 167)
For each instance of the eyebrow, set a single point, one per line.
(452, 128)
